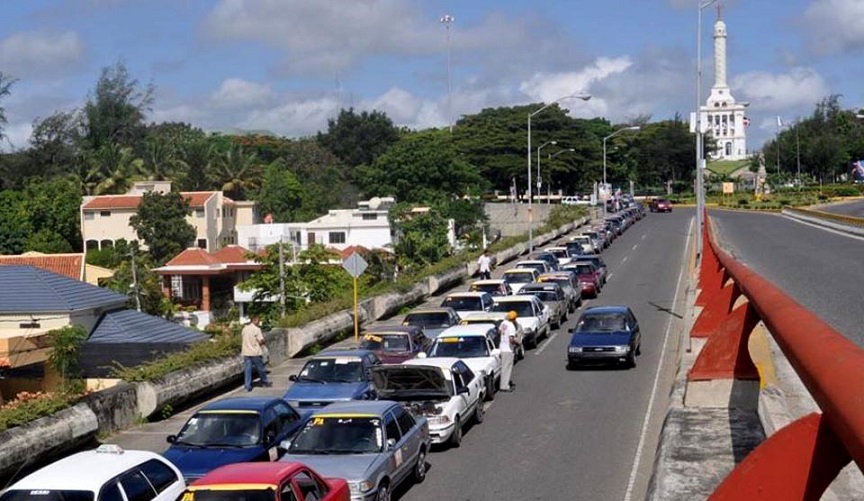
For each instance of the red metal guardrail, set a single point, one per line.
(802, 459)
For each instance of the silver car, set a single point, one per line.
(374, 445)
(552, 296)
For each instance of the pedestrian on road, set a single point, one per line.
(253, 353)
(508, 342)
(484, 262)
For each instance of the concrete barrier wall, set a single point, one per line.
(122, 406)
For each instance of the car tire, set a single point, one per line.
(631, 360)
(456, 436)
(490, 389)
(383, 493)
(571, 366)
(639, 349)
(420, 468)
(520, 355)
(479, 413)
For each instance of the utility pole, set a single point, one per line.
(135, 278)
(281, 276)
(447, 20)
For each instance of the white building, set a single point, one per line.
(725, 117)
(367, 226)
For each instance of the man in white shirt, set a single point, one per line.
(484, 262)
(508, 341)
(252, 349)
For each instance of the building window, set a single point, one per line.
(728, 149)
(199, 212)
(370, 217)
(89, 215)
(310, 239)
(187, 289)
(107, 244)
(92, 245)
(202, 243)
(337, 237)
(104, 213)
(29, 325)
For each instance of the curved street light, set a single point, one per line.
(551, 156)
(610, 136)
(539, 182)
(583, 97)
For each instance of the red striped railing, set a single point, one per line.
(802, 459)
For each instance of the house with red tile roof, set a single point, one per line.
(105, 218)
(70, 264)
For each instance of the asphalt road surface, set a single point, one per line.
(821, 269)
(855, 208)
(587, 434)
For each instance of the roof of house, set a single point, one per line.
(27, 289)
(194, 256)
(230, 257)
(231, 254)
(104, 202)
(130, 326)
(70, 265)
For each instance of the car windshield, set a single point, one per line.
(460, 347)
(333, 434)
(230, 428)
(220, 494)
(332, 370)
(46, 495)
(461, 303)
(541, 267)
(493, 289)
(385, 342)
(607, 322)
(519, 278)
(428, 320)
(542, 295)
(582, 269)
(522, 308)
(559, 253)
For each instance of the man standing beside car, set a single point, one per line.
(508, 341)
(252, 349)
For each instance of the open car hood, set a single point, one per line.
(409, 382)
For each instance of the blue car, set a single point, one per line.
(333, 376)
(232, 430)
(605, 334)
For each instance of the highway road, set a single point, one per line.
(855, 208)
(586, 434)
(821, 269)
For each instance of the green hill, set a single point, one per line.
(726, 167)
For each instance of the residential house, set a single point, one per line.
(105, 218)
(70, 264)
(208, 281)
(368, 226)
(34, 301)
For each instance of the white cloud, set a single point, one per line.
(35, 54)
(780, 92)
(236, 92)
(15, 136)
(835, 25)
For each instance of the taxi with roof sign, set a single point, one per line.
(517, 277)
(569, 283)
(495, 287)
(374, 445)
(266, 482)
(333, 376)
(394, 343)
(496, 318)
(475, 345)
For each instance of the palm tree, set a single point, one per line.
(113, 168)
(195, 166)
(158, 163)
(237, 173)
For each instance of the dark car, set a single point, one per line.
(661, 205)
(394, 344)
(432, 320)
(232, 430)
(605, 334)
(333, 376)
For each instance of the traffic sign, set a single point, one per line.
(354, 264)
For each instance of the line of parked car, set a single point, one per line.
(356, 423)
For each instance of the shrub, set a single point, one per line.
(29, 406)
(205, 351)
(743, 201)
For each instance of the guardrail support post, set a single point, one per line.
(798, 462)
(712, 276)
(716, 312)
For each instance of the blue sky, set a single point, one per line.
(288, 65)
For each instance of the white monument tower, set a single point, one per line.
(725, 116)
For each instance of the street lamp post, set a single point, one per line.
(447, 20)
(551, 156)
(539, 179)
(583, 97)
(610, 136)
(700, 192)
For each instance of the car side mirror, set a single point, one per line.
(171, 439)
(462, 390)
(292, 377)
(270, 436)
(285, 444)
(391, 443)
(422, 354)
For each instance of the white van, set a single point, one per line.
(107, 473)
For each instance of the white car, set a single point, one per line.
(587, 244)
(496, 318)
(443, 390)
(468, 302)
(518, 277)
(531, 314)
(537, 264)
(107, 473)
(561, 254)
(475, 345)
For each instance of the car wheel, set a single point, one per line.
(631, 360)
(490, 389)
(479, 413)
(520, 354)
(420, 467)
(456, 437)
(639, 349)
(383, 493)
(571, 366)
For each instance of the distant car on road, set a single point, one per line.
(536, 264)
(232, 430)
(661, 205)
(266, 482)
(333, 376)
(468, 302)
(496, 318)
(569, 283)
(588, 277)
(495, 287)
(552, 296)
(517, 277)
(605, 334)
(599, 265)
(394, 344)
(532, 316)
(560, 253)
(432, 320)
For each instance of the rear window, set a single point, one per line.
(430, 320)
(522, 308)
(46, 495)
(519, 278)
(463, 303)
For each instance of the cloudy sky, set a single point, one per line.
(289, 65)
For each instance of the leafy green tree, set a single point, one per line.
(54, 144)
(148, 287)
(109, 170)
(422, 237)
(322, 177)
(359, 138)
(47, 241)
(237, 173)
(161, 224)
(15, 225)
(195, 160)
(53, 208)
(281, 193)
(116, 110)
(65, 357)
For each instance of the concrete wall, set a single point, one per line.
(512, 219)
(122, 405)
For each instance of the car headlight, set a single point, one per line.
(360, 487)
(622, 349)
(442, 419)
(575, 349)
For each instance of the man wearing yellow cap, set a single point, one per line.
(508, 340)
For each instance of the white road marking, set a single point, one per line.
(823, 228)
(487, 405)
(630, 484)
(548, 341)
(643, 237)
(624, 260)
(609, 277)
(634, 247)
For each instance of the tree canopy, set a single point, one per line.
(161, 223)
(359, 138)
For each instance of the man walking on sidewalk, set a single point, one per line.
(253, 353)
(484, 263)
(508, 341)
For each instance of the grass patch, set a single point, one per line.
(30, 406)
(726, 167)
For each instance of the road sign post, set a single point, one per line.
(355, 265)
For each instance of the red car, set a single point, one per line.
(661, 205)
(588, 276)
(266, 482)
(394, 344)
